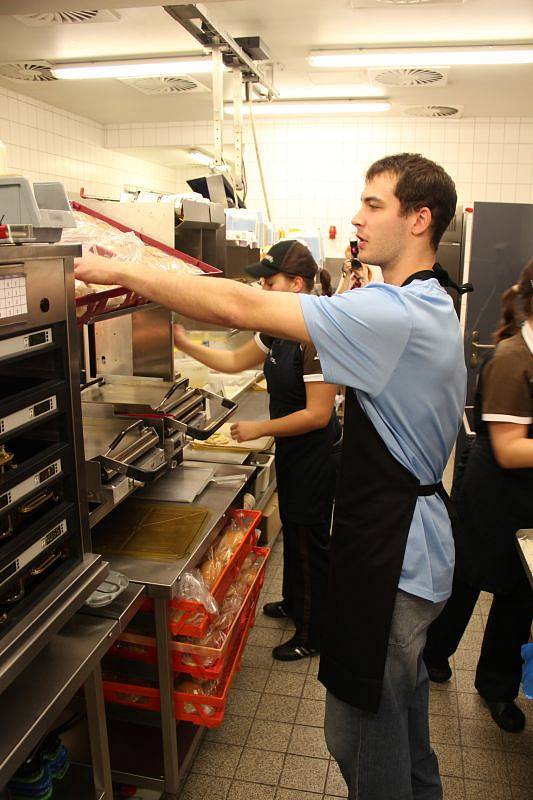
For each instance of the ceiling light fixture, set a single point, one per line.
(486, 55)
(207, 161)
(298, 107)
(138, 68)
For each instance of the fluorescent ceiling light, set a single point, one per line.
(423, 57)
(207, 161)
(296, 107)
(138, 68)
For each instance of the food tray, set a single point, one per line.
(143, 648)
(97, 303)
(194, 619)
(148, 698)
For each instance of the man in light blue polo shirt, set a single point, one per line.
(397, 348)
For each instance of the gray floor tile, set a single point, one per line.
(308, 741)
(277, 709)
(482, 790)
(444, 729)
(314, 664)
(471, 706)
(335, 783)
(311, 712)
(453, 788)
(475, 624)
(285, 683)
(443, 703)
(313, 690)
(466, 658)
(302, 772)
(205, 787)
(518, 742)
(262, 621)
(219, 760)
(243, 702)
(487, 765)
(257, 656)
(520, 792)
(268, 735)
(297, 794)
(481, 733)
(464, 680)
(260, 766)
(253, 678)
(265, 637)
(251, 791)
(448, 686)
(450, 760)
(520, 769)
(234, 730)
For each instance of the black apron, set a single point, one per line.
(492, 504)
(305, 466)
(375, 503)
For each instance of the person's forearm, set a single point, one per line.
(221, 360)
(292, 425)
(218, 300)
(516, 455)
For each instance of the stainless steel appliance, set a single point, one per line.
(44, 532)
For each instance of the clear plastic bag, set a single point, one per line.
(192, 586)
(196, 687)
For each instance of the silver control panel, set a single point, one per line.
(16, 345)
(38, 547)
(24, 488)
(13, 421)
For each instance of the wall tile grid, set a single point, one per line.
(314, 167)
(46, 143)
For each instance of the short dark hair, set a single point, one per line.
(420, 182)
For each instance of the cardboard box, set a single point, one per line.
(270, 523)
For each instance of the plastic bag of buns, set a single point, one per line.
(193, 586)
(215, 639)
(189, 686)
(213, 565)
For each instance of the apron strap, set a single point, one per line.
(425, 490)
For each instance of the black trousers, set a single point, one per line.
(499, 669)
(305, 577)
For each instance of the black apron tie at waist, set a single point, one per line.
(429, 489)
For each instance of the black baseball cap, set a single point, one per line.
(290, 256)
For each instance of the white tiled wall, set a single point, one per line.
(314, 167)
(46, 143)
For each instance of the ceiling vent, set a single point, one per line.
(409, 77)
(27, 71)
(47, 18)
(357, 4)
(433, 112)
(166, 84)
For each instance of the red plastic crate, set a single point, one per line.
(141, 648)
(148, 698)
(194, 619)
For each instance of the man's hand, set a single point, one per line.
(244, 431)
(181, 337)
(94, 268)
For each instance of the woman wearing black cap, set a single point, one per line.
(306, 429)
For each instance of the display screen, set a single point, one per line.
(52, 535)
(41, 408)
(47, 473)
(4, 500)
(37, 338)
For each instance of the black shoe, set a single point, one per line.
(293, 650)
(275, 610)
(507, 716)
(439, 674)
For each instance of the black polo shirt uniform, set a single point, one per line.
(306, 477)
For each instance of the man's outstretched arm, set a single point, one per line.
(215, 300)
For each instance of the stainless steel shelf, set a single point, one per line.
(35, 698)
(22, 646)
(123, 609)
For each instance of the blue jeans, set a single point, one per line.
(388, 755)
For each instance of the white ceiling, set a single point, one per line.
(290, 28)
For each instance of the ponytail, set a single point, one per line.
(511, 317)
(325, 282)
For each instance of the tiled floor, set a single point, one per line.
(271, 744)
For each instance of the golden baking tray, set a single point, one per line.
(159, 532)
